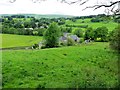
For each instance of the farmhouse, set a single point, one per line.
(75, 38)
(68, 35)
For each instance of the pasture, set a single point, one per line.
(10, 40)
(110, 25)
(91, 65)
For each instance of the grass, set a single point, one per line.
(10, 40)
(110, 25)
(90, 65)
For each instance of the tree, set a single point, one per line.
(28, 32)
(41, 31)
(27, 25)
(52, 35)
(89, 33)
(115, 39)
(101, 32)
(78, 32)
(19, 25)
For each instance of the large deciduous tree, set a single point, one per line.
(52, 35)
(89, 33)
(101, 32)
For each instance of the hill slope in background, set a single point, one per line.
(40, 15)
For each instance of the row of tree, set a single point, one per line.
(52, 34)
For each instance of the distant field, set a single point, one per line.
(110, 25)
(10, 40)
(91, 65)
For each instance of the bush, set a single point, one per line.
(63, 43)
(35, 46)
(35, 33)
(43, 47)
(81, 40)
(70, 42)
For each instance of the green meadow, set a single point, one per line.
(91, 65)
(110, 25)
(10, 40)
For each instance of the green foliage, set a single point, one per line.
(41, 31)
(61, 22)
(62, 29)
(70, 42)
(101, 32)
(33, 25)
(81, 40)
(27, 24)
(28, 32)
(68, 29)
(52, 35)
(35, 46)
(35, 33)
(89, 33)
(110, 34)
(18, 25)
(74, 25)
(96, 20)
(78, 32)
(115, 39)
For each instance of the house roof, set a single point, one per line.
(62, 38)
(74, 37)
(66, 35)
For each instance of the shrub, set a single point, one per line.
(35, 32)
(43, 47)
(70, 42)
(63, 43)
(81, 40)
(35, 46)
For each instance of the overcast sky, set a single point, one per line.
(47, 7)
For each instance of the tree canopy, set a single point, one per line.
(52, 35)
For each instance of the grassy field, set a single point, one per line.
(90, 65)
(110, 25)
(10, 40)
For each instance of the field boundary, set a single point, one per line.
(16, 48)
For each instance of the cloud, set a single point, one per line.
(46, 7)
